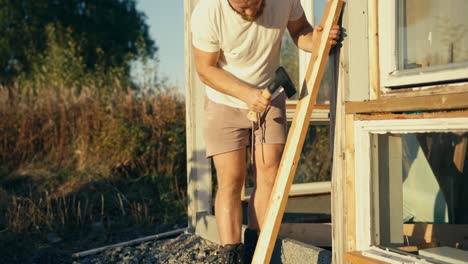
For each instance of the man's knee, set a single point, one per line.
(230, 181)
(266, 174)
(267, 158)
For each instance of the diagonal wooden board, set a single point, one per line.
(296, 136)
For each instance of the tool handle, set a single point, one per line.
(252, 116)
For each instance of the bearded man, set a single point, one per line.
(236, 47)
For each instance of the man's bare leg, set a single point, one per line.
(230, 170)
(267, 159)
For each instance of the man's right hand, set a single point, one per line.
(209, 72)
(255, 100)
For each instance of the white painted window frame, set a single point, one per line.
(318, 117)
(389, 75)
(364, 197)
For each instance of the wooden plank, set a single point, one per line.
(296, 136)
(199, 185)
(427, 90)
(356, 257)
(451, 114)
(363, 216)
(299, 189)
(459, 154)
(387, 43)
(444, 234)
(391, 256)
(418, 103)
(404, 80)
(414, 249)
(388, 191)
(363, 129)
(356, 50)
(374, 64)
(350, 215)
(339, 172)
(292, 104)
(189, 77)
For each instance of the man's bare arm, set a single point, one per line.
(303, 35)
(217, 78)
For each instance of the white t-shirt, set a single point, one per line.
(249, 50)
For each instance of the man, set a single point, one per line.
(237, 49)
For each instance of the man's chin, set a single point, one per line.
(250, 18)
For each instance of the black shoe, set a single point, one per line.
(232, 254)
(250, 243)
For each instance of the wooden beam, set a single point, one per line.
(299, 189)
(460, 87)
(374, 64)
(416, 248)
(292, 104)
(350, 215)
(296, 136)
(451, 114)
(418, 103)
(444, 234)
(338, 207)
(356, 50)
(459, 154)
(388, 191)
(199, 185)
(356, 257)
(363, 130)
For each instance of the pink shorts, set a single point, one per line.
(228, 129)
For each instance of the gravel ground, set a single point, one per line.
(185, 248)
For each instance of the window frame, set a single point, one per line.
(390, 77)
(366, 217)
(320, 114)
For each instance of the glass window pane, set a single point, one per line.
(290, 60)
(323, 96)
(432, 33)
(314, 163)
(422, 179)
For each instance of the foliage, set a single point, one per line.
(123, 134)
(79, 149)
(290, 60)
(83, 154)
(109, 33)
(315, 161)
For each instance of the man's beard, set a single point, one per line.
(250, 18)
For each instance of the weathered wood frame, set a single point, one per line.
(389, 77)
(199, 183)
(439, 102)
(363, 129)
(353, 85)
(364, 98)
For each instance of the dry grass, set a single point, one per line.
(64, 155)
